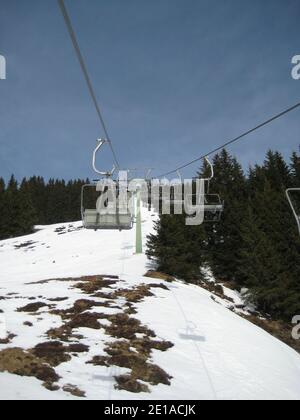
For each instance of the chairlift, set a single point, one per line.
(103, 204)
(296, 213)
(212, 203)
(213, 208)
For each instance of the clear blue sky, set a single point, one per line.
(174, 78)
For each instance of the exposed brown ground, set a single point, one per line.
(160, 276)
(132, 350)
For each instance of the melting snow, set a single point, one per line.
(216, 353)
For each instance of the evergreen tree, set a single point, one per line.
(2, 185)
(256, 244)
(258, 264)
(270, 244)
(224, 238)
(177, 248)
(276, 170)
(36, 188)
(295, 169)
(18, 216)
(2, 207)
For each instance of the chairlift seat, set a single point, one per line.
(92, 219)
(214, 208)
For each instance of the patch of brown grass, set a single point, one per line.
(157, 286)
(70, 279)
(8, 339)
(146, 345)
(123, 326)
(130, 309)
(81, 320)
(102, 295)
(63, 333)
(86, 320)
(134, 295)
(50, 280)
(217, 289)
(134, 355)
(58, 299)
(79, 306)
(160, 276)
(73, 390)
(19, 362)
(78, 348)
(93, 284)
(152, 374)
(127, 383)
(55, 353)
(32, 307)
(128, 352)
(99, 361)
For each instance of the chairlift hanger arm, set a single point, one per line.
(211, 169)
(179, 175)
(297, 216)
(101, 142)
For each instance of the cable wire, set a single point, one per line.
(86, 75)
(228, 143)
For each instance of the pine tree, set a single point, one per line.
(2, 185)
(18, 216)
(277, 171)
(270, 245)
(178, 249)
(224, 238)
(256, 244)
(26, 213)
(2, 208)
(35, 187)
(295, 169)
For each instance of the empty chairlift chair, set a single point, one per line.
(213, 206)
(102, 205)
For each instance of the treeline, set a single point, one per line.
(36, 202)
(256, 244)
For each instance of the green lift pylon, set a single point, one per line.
(138, 240)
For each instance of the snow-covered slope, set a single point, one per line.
(215, 355)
